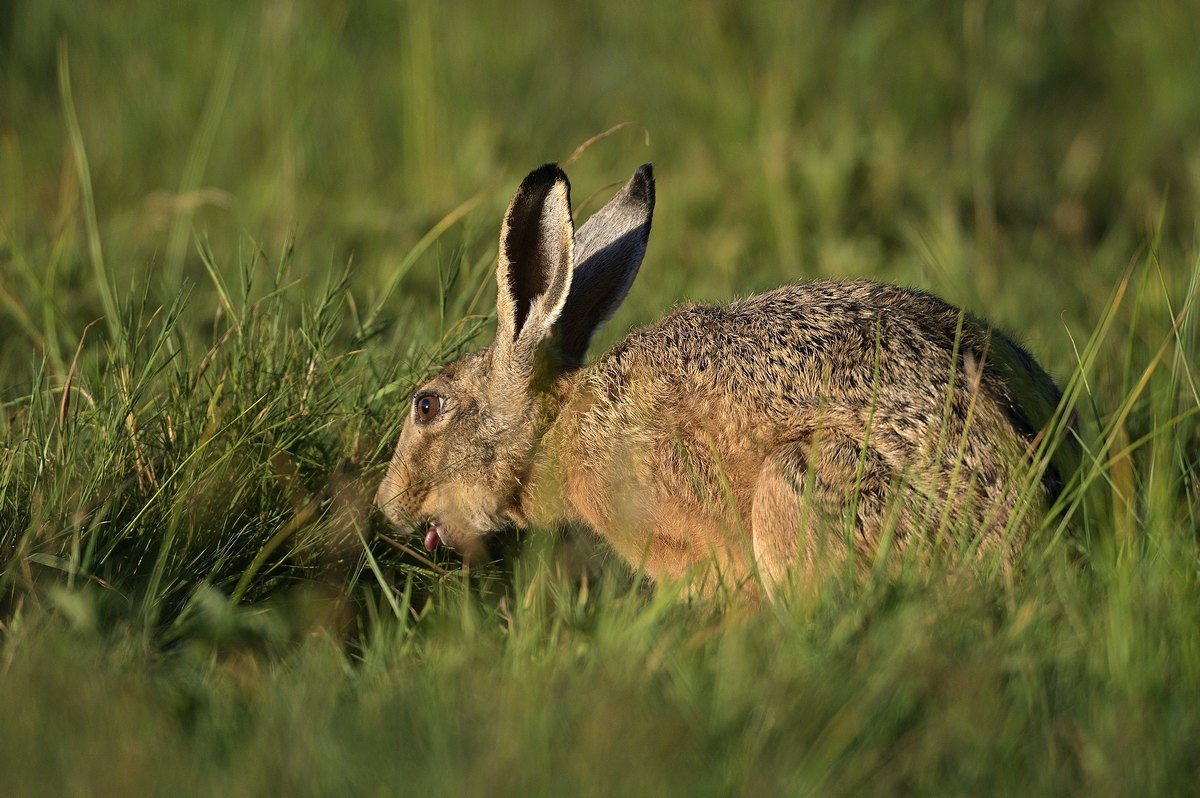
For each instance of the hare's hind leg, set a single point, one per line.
(779, 519)
(817, 503)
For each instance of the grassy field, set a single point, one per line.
(233, 235)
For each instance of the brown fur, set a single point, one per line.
(777, 434)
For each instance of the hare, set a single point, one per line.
(798, 427)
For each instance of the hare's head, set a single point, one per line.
(469, 439)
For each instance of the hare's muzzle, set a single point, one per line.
(394, 499)
(433, 536)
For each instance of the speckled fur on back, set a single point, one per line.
(780, 433)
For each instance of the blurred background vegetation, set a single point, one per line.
(989, 151)
(232, 236)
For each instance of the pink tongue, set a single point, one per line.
(431, 538)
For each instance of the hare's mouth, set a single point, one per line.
(435, 533)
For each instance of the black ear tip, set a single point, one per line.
(641, 185)
(543, 177)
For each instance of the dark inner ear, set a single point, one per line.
(609, 249)
(528, 275)
(597, 291)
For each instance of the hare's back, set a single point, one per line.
(832, 339)
(846, 350)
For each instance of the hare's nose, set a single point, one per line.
(390, 498)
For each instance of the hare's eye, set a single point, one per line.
(426, 407)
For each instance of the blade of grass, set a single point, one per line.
(103, 280)
(197, 157)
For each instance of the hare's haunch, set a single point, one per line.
(793, 428)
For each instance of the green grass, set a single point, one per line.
(232, 237)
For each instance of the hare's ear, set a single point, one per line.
(533, 275)
(609, 249)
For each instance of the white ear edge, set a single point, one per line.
(560, 231)
(535, 263)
